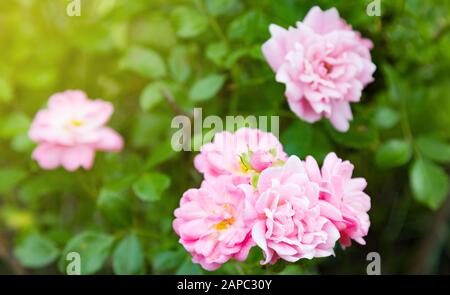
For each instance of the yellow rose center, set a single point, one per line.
(224, 224)
(77, 123)
(243, 167)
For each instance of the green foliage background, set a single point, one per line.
(155, 59)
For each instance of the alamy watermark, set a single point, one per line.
(374, 267)
(74, 263)
(374, 8)
(74, 8)
(191, 136)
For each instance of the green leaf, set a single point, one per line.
(254, 180)
(179, 65)
(393, 153)
(434, 149)
(153, 30)
(114, 207)
(217, 52)
(93, 247)
(149, 129)
(220, 7)
(9, 178)
(38, 77)
(160, 154)
(151, 96)
(150, 186)
(248, 27)
(396, 86)
(128, 258)
(295, 269)
(256, 52)
(36, 251)
(320, 145)
(189, 268)
(167, 260)
(103, 7)
(245, 161)
(429, 183)
(188, 22)
(13, 124)
(33, 188)
(6, 90)
(235, 56)
(386, 117)
(21, 142)
(145, 62)
(297, 138)
(207, 87)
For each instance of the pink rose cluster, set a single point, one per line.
(71, 130)
(324, 64)
(253, 194)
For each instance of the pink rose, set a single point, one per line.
(261, 160)
(324, 65)
(71, 129)
(345, 193)
(292, 223)
(241, 153)
(212, 224)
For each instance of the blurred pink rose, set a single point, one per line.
(211, 222)
(241, 153)
(345, 193)
(261, 160)
(292, 223)
(71, 129)
(324, 65)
